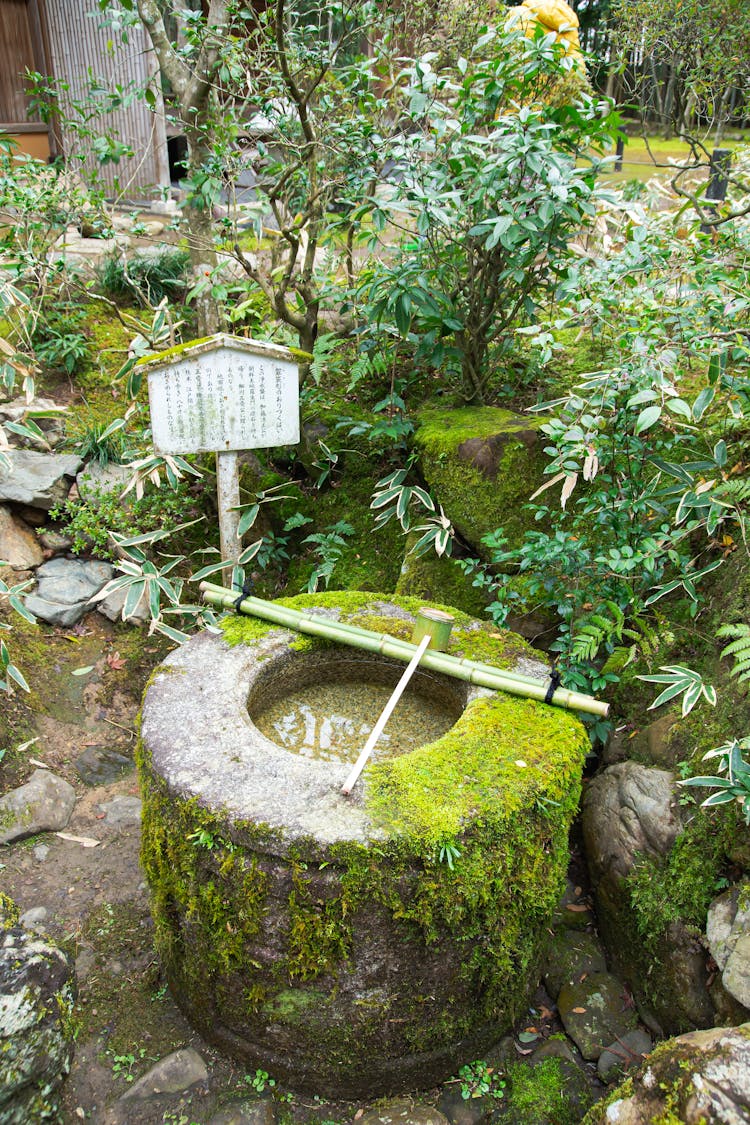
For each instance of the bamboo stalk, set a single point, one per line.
(386, 713)
(295, 615)
(483, 675)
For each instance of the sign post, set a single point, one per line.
(221, 395)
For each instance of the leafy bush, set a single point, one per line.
(494, 178)
(145, 278)
(91, 521)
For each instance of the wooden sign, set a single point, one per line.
(220, 395)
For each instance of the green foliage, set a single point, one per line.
(640, 450)
(492, 193)
(93, 520)
(102, 443)
(738, 648)
(477, 1080)
(735, 786)
(260, 1081)
(145, 278)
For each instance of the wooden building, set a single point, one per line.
(65, 40)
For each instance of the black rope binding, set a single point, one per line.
(247, 589)
(554, 683)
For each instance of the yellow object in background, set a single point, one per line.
(553, 16)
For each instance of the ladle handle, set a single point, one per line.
(377, 730)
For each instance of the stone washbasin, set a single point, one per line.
(364, 945)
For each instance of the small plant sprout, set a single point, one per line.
(260, 1080)
(477, 1080)
(448, 854)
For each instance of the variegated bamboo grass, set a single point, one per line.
(470, 671)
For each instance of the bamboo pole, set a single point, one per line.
(386, 713)
(483, 675)
(292, 616)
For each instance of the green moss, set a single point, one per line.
(681, 887)
(9, 912)
(175, 351)
(475, 501)
(541, 1093)
(438, 580)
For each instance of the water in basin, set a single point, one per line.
(331, 721)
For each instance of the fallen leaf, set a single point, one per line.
(84, 841)
(115, 661)
(82, 671)
(36, 762)
(577, 907)
(578, 1011)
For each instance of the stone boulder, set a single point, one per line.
(700, 1077)
(45, 412)
(19, 546)
(39, 480)
(728, 935)
(44, 804)
(65, 589)
(595, 1013)
(482, 465)
(630, 812)
(37, 993)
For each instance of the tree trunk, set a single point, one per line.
(200, 235)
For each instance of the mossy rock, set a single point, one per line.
(482, 464)
(351, 946)
(701, 1077)
(439, 580)
(37, 1027)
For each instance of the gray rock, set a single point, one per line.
(37, 994)
(72, 580)
(112, 607)
(46, 413)
(624, 1055)
(171, 1075)
(262, 1112)
(122, 810)
(728, 936)
(19, 547)
(55, 541)
(95, 480)
(594, 1013)
(38, 479)
(44, 804)
(628, 810)
(64, 589)
(700, 1077)
(403, 1111)
(34, 918)
(85, 961)
(571, 955)
(460, 1110)
(99, 765)
(40, 852)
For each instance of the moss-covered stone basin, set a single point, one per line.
(363, 945)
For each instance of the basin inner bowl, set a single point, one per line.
(326, 711)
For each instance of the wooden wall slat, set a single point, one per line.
(79, 48)
(16, 54)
